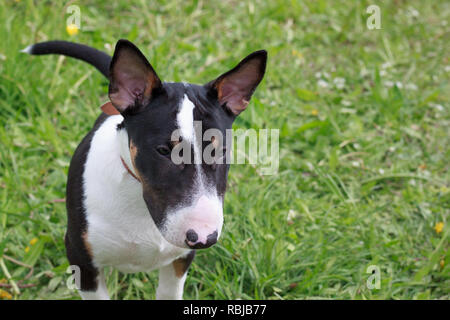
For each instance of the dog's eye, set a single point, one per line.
(163, 150)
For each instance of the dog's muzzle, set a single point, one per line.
(197, 226)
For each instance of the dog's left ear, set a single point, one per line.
(235, 87)
(132, 78)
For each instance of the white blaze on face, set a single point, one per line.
(204, 214)
(185, 119)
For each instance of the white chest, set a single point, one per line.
(133, 246)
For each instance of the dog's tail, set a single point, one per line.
(97, 58)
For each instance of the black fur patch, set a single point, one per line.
(77, 251)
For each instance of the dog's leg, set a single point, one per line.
(88, 278)
(99, 293)
(172, 277)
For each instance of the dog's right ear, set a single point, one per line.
(235, 87)
(132, 79)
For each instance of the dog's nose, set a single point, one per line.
(191, 236)
(193, 242)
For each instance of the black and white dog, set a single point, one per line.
(129, 205)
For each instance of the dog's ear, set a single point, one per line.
(235, 87)
(132, 78)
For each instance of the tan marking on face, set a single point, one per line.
(174, 143)
(84, 237)
(133, 153)
(215, 142)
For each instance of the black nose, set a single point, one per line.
(192, 237)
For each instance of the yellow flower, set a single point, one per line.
(5, 295)
(439, 227)
(441, 263)
(314, 112)
(33, 241)
(27, 249)
(297, 54)
(72, 29)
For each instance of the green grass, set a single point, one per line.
(364, 167)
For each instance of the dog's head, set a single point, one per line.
(166, 122)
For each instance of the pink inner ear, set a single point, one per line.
(233, 96)
(127, 89)
(236, 89)
(228, 91)
(131, 87)
(132, 80)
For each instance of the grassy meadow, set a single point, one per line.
(364, 150)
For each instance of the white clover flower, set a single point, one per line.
(348, 110)
(414, 12)
(339, 83)
(322, 83)
(438, 107)
(388, 84)
(386, 65)
(364, 72)
(292, 214)
(346, 103)
(411, 86)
